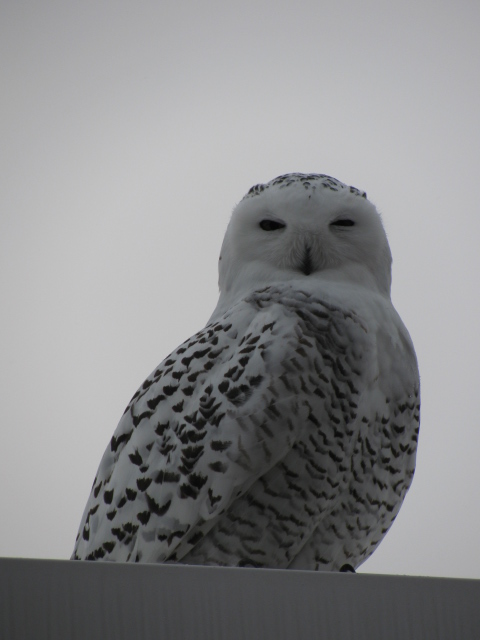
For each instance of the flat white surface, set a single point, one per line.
(129, 131)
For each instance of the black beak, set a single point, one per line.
(307, 266)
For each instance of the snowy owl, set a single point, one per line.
(284, 433)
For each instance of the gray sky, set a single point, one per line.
(130, 130)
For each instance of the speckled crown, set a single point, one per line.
(307, 180)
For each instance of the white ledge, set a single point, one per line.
(63, 600)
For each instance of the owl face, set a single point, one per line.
(292, 232)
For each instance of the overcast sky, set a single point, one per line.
(130, 130)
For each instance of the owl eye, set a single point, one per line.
(271, 225)
(343, 222)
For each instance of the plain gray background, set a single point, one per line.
(130, 130)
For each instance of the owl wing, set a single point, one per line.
(217, 414)
(199, 431)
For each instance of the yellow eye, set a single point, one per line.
(271, 225)
(343, 222)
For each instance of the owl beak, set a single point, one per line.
(306, 265)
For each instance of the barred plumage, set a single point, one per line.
(284, 433)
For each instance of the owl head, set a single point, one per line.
(304, 227)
